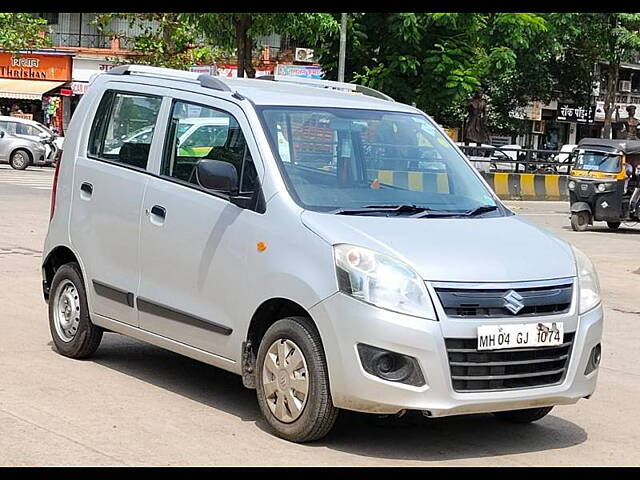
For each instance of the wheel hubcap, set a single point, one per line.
(19, 160)
(66, 311)
(285, 380)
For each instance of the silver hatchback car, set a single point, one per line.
(21, 152)
(333, 247)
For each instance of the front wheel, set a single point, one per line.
(526, 415)
(19, 160)
(292, 381)
(580, 221)
(613, 225)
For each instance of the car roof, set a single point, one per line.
(625, 146)
(18, 119)
(274, 91)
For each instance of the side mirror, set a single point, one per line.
(1, 134)
(217, 175)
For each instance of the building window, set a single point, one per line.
(50, 17)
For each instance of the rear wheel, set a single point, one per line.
(580, 221)
(527, 415)
(19, 159)
(71, 329)
(613, 225)
(292, 383)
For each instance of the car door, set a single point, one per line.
(194, 241)
(108, 186)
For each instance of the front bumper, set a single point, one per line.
(344, 322)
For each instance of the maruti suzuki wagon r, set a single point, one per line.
(328, 244)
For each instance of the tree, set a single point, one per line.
(20, 31)
(437, 60)
(241, 30)
(164, 39)
(615, 38)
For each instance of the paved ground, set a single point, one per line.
(135, 404)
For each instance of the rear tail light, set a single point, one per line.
(55, 187)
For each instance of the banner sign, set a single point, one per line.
(231, 71)
(306, 71)
(573, 114)
(206, 69)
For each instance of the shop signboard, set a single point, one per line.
(32, 66)
(79, 88)
(84, 68)
(306, 71)
(622, 111)
(575, 114)
(531, 111)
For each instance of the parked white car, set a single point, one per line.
(564, 157)
(333, 278)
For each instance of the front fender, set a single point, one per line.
(580, 207)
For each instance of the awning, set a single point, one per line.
(26, 89)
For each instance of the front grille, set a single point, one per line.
(488, 303)
(474, 370)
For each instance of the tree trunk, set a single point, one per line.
(244, 46)
(609, 99)
(240, 46)
(248, 64)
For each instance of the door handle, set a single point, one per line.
(159, 211)
(87, 188)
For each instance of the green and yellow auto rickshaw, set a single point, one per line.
(602, 183)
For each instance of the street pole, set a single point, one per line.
(343, 47)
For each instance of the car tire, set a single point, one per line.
(613, 225)
(307, 387)
(526, 415)
(72, 332)
(20, 159)
(580, 221)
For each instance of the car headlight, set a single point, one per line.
(572, 185)
(588, 282)
(602, 187)
(382, 281)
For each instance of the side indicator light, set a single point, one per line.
(261, 246)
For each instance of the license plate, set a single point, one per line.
(497, 337)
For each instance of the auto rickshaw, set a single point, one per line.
(602, 181)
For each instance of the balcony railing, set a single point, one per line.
(86, 40)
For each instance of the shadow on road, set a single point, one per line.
(623, 230)
(411, 437)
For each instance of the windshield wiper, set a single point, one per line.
(479, 210)
(397, 209)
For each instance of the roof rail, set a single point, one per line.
(312, 82)
(206, 81)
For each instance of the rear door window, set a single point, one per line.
(123, 128)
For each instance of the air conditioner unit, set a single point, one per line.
(304, 55)
(625, 85)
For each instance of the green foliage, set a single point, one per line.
(19, 31)
(437, 60)
(241, 30)
(165, 39)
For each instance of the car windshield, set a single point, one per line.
(597, 161)
(340, 158)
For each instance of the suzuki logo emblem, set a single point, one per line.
(513, 301)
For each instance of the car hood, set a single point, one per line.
(500, 249)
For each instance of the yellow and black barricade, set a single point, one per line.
(508, 186)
